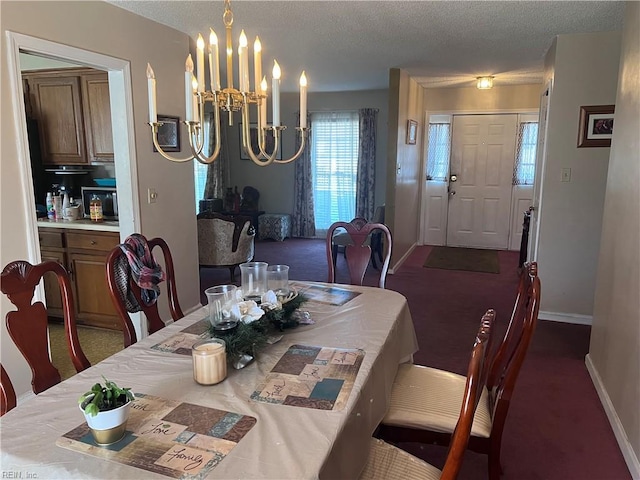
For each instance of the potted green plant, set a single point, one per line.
(106, 410)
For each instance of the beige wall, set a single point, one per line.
(406, 101)
(275, 182)
(516, 97)
(102, 28)
(615, 335)
(584, 70)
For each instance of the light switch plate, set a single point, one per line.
(152, 195)
(566, 175)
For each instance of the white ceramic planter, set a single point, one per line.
(108, 427)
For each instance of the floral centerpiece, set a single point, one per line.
(260, 325)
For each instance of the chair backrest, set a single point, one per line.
(7, 393)
(27, 325)
(359, 252)
(224, 240)
(476, 379)
(510, 355)
(121, 284)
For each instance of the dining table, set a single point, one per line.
(258, 434)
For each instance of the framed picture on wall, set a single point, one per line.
(168, 133)
(253, 133)
(596, 126)
(412, 132)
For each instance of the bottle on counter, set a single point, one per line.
(65, 202)
(57, 207)
(51, 215)
(95, 209)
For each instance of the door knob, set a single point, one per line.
(453, 177)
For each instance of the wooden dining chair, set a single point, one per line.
(28, 325)
(7, 393)
(424, 400)
(358, 253)
(128, 296)
(389, 462)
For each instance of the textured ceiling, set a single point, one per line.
(351, 45)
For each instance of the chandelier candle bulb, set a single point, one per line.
(243, 63)
(263, 105)
(209, 361)
(214, 61)
(257, 63)
(194, 97)
(275, 93)
(303, 100)
(188, 90)
(151, 83)
(200, 60)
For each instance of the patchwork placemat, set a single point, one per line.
(175, 439)
(311, 377)
(182, 341)
(333, 296)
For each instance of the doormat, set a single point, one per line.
(467, 259)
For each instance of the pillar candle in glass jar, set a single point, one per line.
(209, 361)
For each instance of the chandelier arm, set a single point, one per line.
(261, 159)
(216, 151)
(154, 136)
(303, 133)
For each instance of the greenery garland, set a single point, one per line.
(248, 339)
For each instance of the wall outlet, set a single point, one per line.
(152, 195)
(566, 175)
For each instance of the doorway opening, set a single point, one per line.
(120, 92)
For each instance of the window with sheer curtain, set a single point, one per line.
(200, 169)
(334, 163)
(438, 151)
(525, 167)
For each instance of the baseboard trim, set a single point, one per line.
(402, 259)
(618, 429)
(566, 317)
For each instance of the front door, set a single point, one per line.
(482, 158)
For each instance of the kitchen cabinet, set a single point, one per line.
(83, 253)
(74, 115)
(97, 117)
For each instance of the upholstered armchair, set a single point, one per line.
(224, 241)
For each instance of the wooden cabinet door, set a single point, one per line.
(93, 302)
(97, 117)
(58, 107)
(51, 286)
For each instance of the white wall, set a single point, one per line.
(404, 164)
(584, 71)
(614, 353)
(275, 183)
(102, 28)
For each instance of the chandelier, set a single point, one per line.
(230, 100)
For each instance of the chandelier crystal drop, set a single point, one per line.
(230, 100)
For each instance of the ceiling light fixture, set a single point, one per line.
(231, 100)
(484, 83)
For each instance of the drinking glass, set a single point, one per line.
(254, 280)
(221, 300)
(278, 279)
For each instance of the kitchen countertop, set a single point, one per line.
(82, 224)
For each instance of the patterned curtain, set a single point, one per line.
(303, 219)
(366, 163)
(218, 171)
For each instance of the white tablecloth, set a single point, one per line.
(286, 442)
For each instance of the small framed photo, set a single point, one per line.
(168, 133)
(596, 126)
(412, 132)
(253, 134)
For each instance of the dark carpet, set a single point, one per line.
(468, 259)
